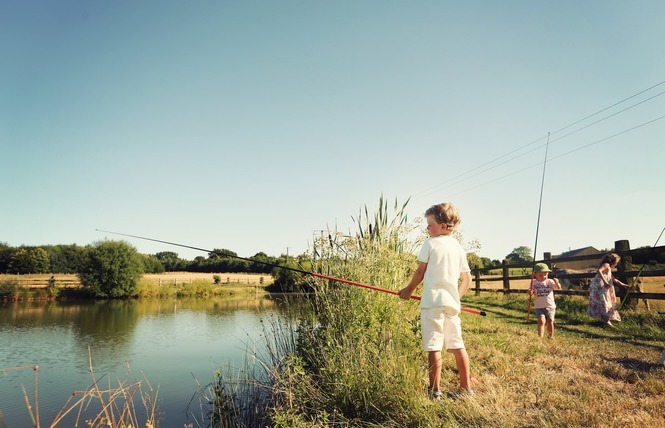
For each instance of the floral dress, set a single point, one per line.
(602, 299)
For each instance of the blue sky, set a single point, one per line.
(248, 125)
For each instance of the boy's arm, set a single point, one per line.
(417, 278)
(557, 286)
(464, 284)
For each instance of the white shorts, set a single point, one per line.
(441, 327)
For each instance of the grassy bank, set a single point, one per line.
(360, 364)
(371, 372)
(165, 285)
(156, 288)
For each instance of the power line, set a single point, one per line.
(607, 117)
(453, 180)
(550, 142)
(563, 154)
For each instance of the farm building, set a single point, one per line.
(578, 264)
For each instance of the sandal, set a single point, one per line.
(460, 393)
(437, 396)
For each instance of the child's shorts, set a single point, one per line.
(548, 313)
(441, 327)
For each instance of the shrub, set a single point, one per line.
(111, 269)
(8, 288)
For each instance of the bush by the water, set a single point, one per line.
(111, 269)
(8, 288)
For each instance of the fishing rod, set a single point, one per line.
(304, 272)
(625, 298)
(535, 245)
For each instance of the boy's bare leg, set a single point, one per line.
(435, 364)
(462, 361)
(541, 326)
(550, 328)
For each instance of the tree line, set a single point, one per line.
(67, 259)
(112, 269)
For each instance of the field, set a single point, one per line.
(71, 280)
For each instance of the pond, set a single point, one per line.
(167, 344)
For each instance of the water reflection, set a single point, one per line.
(173, 343)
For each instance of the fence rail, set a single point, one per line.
(482, 275)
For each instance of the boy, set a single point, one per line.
(544, 301)
(442, 262)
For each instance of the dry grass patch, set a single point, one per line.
(587, 376)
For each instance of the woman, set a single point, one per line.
(602, 299)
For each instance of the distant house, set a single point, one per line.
(579, 264)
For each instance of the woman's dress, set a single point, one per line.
(602, 299)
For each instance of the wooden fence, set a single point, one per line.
(43, 282)
(626, 272)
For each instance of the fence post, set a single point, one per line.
(506, 276)
(477, 279)
(622, 247)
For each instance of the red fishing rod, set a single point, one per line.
(318, 275)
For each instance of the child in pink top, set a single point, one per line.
(543, 288)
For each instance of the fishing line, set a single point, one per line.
(304, 272)
(535, 245)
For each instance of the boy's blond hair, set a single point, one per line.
(446, 213)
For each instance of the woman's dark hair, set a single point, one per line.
(610, 258)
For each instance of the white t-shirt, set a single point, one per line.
(445, 259)
(544, 294)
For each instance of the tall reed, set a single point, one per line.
(357, 362)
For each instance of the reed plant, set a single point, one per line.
(268, 378)
(132, 403)
(361, 360)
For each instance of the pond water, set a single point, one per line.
(170, 344)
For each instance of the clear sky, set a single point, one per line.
(249, 125)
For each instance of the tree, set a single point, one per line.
(29, 260)
(111, 269)
(290, 281)
(171, 261)
(217, 253)
(64, 258)
(5, 256)
(520, 255)
(262, 263)
(151, 264)
(287, 281)
(487, 262)
(474, 260)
